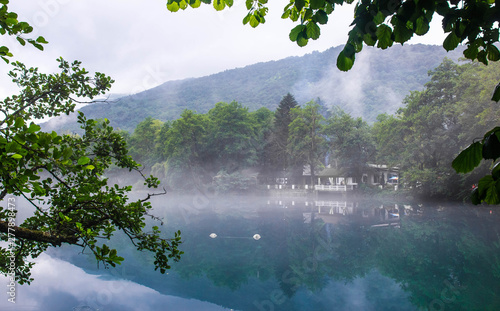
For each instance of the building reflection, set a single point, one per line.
(337, 211)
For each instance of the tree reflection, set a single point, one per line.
(443, 257)
(447, 257)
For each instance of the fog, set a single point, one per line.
(313, 252)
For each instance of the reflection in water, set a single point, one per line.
(311, 255)
(60, 285)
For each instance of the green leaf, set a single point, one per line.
(472, 50)
(482, 56)
(495, 172)
(249, 4)
(67, 152)
(254, 21)
(17, 156)
(21, 40)
(493, 53)
(316, 4)
(195, 3)
(219, 5)
(41, 39)
(468, 159)
(379, 18)
(451, 42)
(421, 26)
(496, 93)
(369, 39)
(89, 167)
(313, 31)
(383, 34)
(11, 21)
(475, 198)
(105, 249)
(492, 195)
(19, 122)
(286, 14)
(33, 128)
(173, 7)
(344, 62)
(294, 33)
(491, 147)
(183, 5)
(246, 19)
(320, 17)
(83, 160)
(299, 4)
(402, 32)
(38, 46)
(301, 40)
(483, 185)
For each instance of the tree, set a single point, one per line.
(388, 134)
(63, 176)
(350, 142)
(264, 120)
(185, 149)
(231, 138)
(282, 119)
(306, 143)
(143, 142)
(435, 124)
(432, 133)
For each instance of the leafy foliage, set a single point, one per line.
(436, 124)
(488, 188)
(350, 142)
(306, 143)
(10, 25)
(63, 176)
(278, 146)
(383, 23)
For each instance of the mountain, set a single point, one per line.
(378, 83)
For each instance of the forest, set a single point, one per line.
(376, 87)
(232, 148)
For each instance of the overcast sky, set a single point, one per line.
(141, 44)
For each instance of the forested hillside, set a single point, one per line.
(377, 84)
(228, 147)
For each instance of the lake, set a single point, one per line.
(263, 253)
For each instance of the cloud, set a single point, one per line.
(60, 285)
(346, 89)
(126, 38)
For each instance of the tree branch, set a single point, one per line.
(37, 235)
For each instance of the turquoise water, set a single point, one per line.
(324, 254)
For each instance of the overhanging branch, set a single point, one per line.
(36, 235)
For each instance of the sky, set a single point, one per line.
(141, 44)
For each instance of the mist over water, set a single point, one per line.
(311, 253)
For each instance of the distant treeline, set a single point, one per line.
(391, 73)
(232, 148)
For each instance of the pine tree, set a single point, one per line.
(280, 157)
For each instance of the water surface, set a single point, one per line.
(289, 254)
